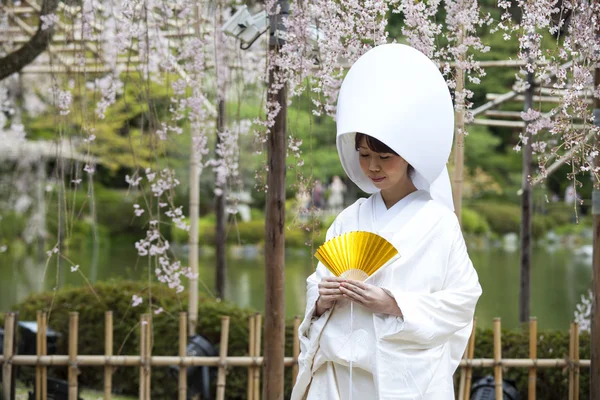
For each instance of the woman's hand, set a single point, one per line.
(372, 297)
(329, 293)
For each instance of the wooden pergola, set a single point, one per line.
(69, 42)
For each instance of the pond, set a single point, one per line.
(559, 276)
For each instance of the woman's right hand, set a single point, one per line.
(329, 293)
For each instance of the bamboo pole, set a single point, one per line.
(245, 362)
(144, 390)
(182, 353)
(257, 345)
(148, 355)
(44, 333)
(463, 377)
(295, 349)
(533, 356)
(576, 360)
(222, 358)
(108, 352)
(459, 137)
(251, 353)
(498, 358)
(571, 357)
(236, 361)
(470, 355)
(7, 372)
(73, 339)
(38, 352)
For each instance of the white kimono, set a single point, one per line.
(436, 288)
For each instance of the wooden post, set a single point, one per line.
(223, 358)
(148, 355)
(295, 349)
(498, 358)
(459, 137)
(533, 356)
(108, 352)
(38, 352)
(182, 353)
(463, 375)
(595, 317)
(220, 196)
(570, 364)
(195, 171)
(73, 340)
(44, 334)
(251, 353)
(470, 355)
(7, 372)
(275, 215)
(145, 357)
(526, 211)
(576, 360)
(257, 346)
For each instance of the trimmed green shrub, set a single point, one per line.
(473, 222)
(502, 218)
(247, 233)
(505, 218)
(117, 297)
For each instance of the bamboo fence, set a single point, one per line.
(145, 361)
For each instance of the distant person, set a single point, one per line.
(318, 195)
(337, 189)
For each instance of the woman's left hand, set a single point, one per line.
(371, 297)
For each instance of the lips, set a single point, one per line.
(376, 180)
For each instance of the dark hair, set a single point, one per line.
(377, 146)
(374, 144)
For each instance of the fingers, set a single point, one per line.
(350, 294)
(332, 279)
(329, 292)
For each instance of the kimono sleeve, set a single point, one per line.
(311, 327)
(430, 319)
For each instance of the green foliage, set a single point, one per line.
(505, 218)
(251, 232)
(473, 222)
(116, 297)
(502, 218)
(114, 211)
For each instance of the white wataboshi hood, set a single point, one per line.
(397, 95)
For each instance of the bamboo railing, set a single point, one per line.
(145, 361)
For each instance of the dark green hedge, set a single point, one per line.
(552, 382)
(117, 297)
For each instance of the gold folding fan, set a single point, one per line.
(356, 255)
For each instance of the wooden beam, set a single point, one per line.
(513, 93)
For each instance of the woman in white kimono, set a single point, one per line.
(413, 317)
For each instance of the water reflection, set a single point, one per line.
(559, 278)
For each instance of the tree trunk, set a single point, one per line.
(221, 216)
(526, 213)
(17, 60)
(595, 317)
(274, 229)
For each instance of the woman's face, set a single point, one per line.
(386, 170)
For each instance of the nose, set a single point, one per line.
(374, 164)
